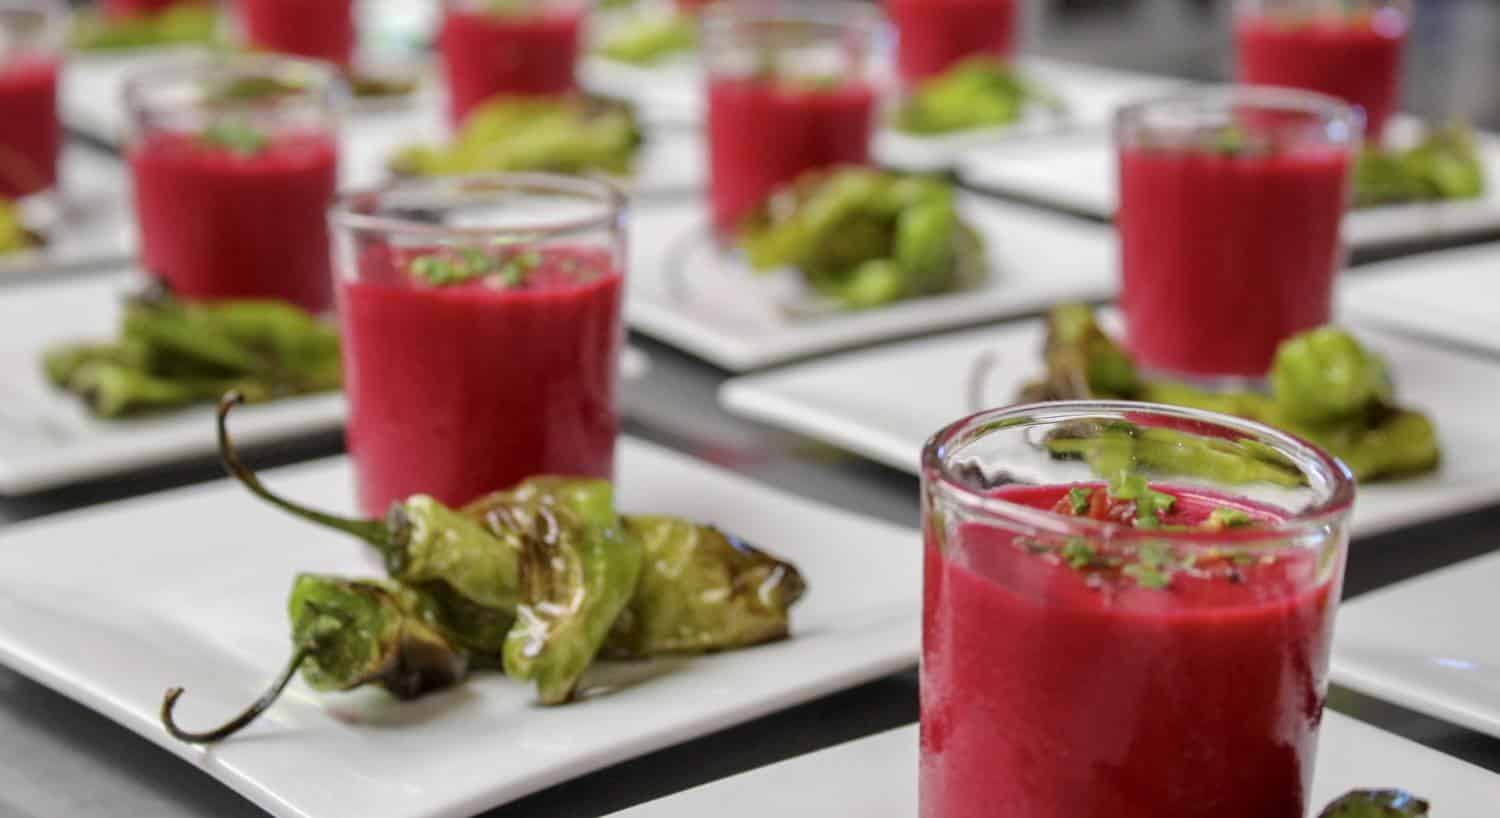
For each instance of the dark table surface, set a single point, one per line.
(60, 758)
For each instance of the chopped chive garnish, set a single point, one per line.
(1079, 499)
(236, 137)
(1227, 518)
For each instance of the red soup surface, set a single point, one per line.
(932, 35)
(30, 136)
(315, 29)
(764, 133)
(527, 53)
(1225, 256)
(459, 390)
(219, 223)
(1355, 59)
(1049, 691)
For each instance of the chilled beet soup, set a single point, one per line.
(932, 35)
(764, 133)
(233, 213)
(460, 385)
(515, 48)
(1357, 58)
(1090, 681)
(1224, 255)
(30, 136)
(315, 29)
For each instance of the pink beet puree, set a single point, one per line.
(763, 133)
(315, 29)
(1225, 256)
(461, 390)
(1355, 59)
(132, 8)
(30, 135)
(1046, 695)
(932, 35)
(220, 224)
(524, 53)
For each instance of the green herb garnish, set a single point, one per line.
(1149, 503)
(1224, 517)
(1229, 140)
(236, 137)
(1079, 499)
(515, 269)
(471, 264)
(1078, 554)
(1153, 567)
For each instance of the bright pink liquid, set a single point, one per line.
(691, 6)
(1357, 61)
(315, 29)
(932, 35)
(219, 225)
(1045, 697)
(30, 136)
(462, 390)
(763, 134)
(488, 54)
(1224, 257)
(133, 8)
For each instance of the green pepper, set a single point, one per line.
(1114, 449)
(180, 24)
(1445, 165)
(649, 40)
(564, 135)
(1325, 375)
(1082, 360)
(1376, 804)
(346, 634)
(979, 92)
(14, 237)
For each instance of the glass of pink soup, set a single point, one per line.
(1230, 208)
(512, 47)
(232, 189)
(480, 319)
(932, 35)
(1350, 49)
(315, 29)
(1128, 611)
(31, 40)
(789, 91)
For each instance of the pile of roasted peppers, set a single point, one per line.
(14, 237)
(574, 134)
(1324, 387)
(864, 238)
(1377, 804)
(171, 354)
(186, 23)
(650, 39)
(538, 581)
(980, 92)
(1444, 166)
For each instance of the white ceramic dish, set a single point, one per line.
(1428, 644)
(1452, 295)
(90, 223)
(876, 777)
(111, 605)
(48, 439)
(685, 292)
(884, 403)
(1076, 172)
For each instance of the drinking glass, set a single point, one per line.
(31, 42)
(932, 35)
(529, 51)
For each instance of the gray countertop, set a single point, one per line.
(60, 758)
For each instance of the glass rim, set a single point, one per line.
(343, 215)
(1264, 97)
(1257, 8)
(322, 79)
(846, 14)
(937, 472)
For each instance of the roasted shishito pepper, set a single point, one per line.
(14, 237)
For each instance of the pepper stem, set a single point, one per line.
(373, 532)
(238, 723)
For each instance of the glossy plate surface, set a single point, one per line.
(1452, 295)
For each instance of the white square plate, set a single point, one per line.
(1076, 172)
(1453, 295)
(110, 606)
(1428, 644)
(876, 777)
(95, 226)
(90, 96)
(685, 293)
(48, 438)
(885, 403)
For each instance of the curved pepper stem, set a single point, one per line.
(238, 723)
(373, 532)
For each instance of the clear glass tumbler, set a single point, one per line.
(1128, 610)
(319, 30)
(491, 50)
(1231, 201)
(933, 35)
(480, 319)
(31, 58)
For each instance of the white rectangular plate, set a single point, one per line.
(886, 402)
(1076, 172)
(1453, 295)
(1428, 644)
(110, 606)
(876, 777)
(684, 292)
(95, 226)
(48, 438)
(90, 97)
